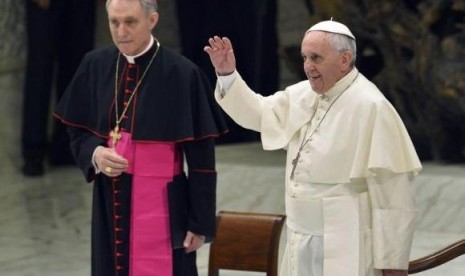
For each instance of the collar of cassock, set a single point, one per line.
(132, 59)
(340, 86)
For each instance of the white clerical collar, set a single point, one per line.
(131, 59)
(341, 85)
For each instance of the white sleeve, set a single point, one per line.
(394, 214)
(241, 103)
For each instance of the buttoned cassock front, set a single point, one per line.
(351, 195)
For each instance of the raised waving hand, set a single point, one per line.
(221, 55)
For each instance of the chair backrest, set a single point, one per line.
(437, 258)
(247, 242)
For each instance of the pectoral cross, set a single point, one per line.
(294, 164)
(115, 136)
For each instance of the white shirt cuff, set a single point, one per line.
(97, 171)
(226, 82)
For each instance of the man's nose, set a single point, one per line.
(122, 30)
(308, 65)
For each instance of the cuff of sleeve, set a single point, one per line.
(392, 238)
(202, 211)
(96, 169)
(225, 82)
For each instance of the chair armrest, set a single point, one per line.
(437, 258)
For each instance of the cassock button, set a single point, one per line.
(119, 267)
(118, 242)
(116, 192)
(118, 229)
(119, 255)
(118, 217)
(117, 204)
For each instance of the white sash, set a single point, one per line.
(341, 220)
(341, 236)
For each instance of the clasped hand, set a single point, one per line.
(110, 162)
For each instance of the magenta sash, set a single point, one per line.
(152, 165)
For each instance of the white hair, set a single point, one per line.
(342, 43)
(148, 5)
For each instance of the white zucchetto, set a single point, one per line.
(331, 27)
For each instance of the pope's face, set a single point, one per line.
(323, 64)
(130, 25)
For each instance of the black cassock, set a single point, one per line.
(173, 104)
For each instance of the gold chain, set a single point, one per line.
(114, 134)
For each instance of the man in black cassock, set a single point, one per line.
(135, 113)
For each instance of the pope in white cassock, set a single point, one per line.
(350, 161)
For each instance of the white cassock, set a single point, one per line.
(350, 205)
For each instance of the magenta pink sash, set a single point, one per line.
(152, 165)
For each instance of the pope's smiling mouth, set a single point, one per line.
(313, 77)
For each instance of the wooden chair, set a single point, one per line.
(247, 242)
(438, 258)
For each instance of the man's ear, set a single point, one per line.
(346, 60)
(153, 19)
